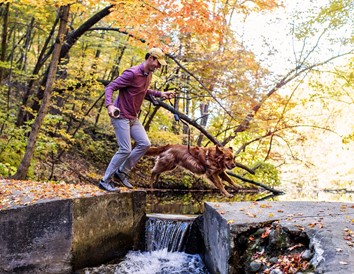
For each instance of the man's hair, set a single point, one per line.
(147, 55)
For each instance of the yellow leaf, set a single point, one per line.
(251, 215)
(265, 206)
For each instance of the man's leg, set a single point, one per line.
(122, 131)
(142, 141)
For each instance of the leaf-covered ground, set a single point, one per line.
(20, 193)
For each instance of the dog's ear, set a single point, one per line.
(231, 148)
(218, 149)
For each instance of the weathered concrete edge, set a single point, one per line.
(36, 236)
(224, 221)
(216, 234)
(63, 235)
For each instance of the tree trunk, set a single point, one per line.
(25, 163)
(4, 39)
(70, 40)
(22, 114)
(204, 110)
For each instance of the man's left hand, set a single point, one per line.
(168, 95)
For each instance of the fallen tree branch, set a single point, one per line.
(274, 191)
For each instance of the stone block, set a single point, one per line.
(65, 235)
(36, 238)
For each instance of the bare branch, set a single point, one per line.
(201, 83)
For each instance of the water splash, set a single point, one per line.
(161, 262)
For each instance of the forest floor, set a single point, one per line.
(21, 193)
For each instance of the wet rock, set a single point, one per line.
(260, 231)
(278, 238)
(276, 271)
(307, 255)
(273, 260)
(255, 266)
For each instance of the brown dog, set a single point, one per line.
(211, 161)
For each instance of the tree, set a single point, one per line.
(209, 65)
(25, 163)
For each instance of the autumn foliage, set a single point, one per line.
(225, 94)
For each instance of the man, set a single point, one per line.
(133, 87)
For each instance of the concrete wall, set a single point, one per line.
(326, 224)
(216, 240)
(65, 235)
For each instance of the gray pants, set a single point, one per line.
(126, 158)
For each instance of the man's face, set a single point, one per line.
(152, 64)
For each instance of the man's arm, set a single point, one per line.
(121, 81)
(164, 95)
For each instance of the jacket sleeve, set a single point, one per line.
(120, 82)
(155, 93)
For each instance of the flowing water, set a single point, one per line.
(165, 237)
(166, 232)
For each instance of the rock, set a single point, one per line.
(255, 266)
(307, 255)
(276, 271)
(273, 260)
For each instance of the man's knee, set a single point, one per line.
(124, 151)
(145, 145)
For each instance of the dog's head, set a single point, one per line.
(225, 157)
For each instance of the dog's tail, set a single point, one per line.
(154, 151)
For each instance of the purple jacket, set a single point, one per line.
(133, 87)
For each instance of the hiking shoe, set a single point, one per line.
(107, 186)
(122, 178)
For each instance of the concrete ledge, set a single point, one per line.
(325, 223)
(64, 235)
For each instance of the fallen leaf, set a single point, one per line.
(300, 227)
(265, 206)
(265, 234)
(295, 246)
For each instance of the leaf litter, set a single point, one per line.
(15, 193)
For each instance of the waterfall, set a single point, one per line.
(165, 238)
(168, 233)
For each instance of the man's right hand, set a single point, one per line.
(111, 109)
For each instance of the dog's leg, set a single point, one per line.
(153, 179)
(218, 183)
(226, 178)
(162, 164)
